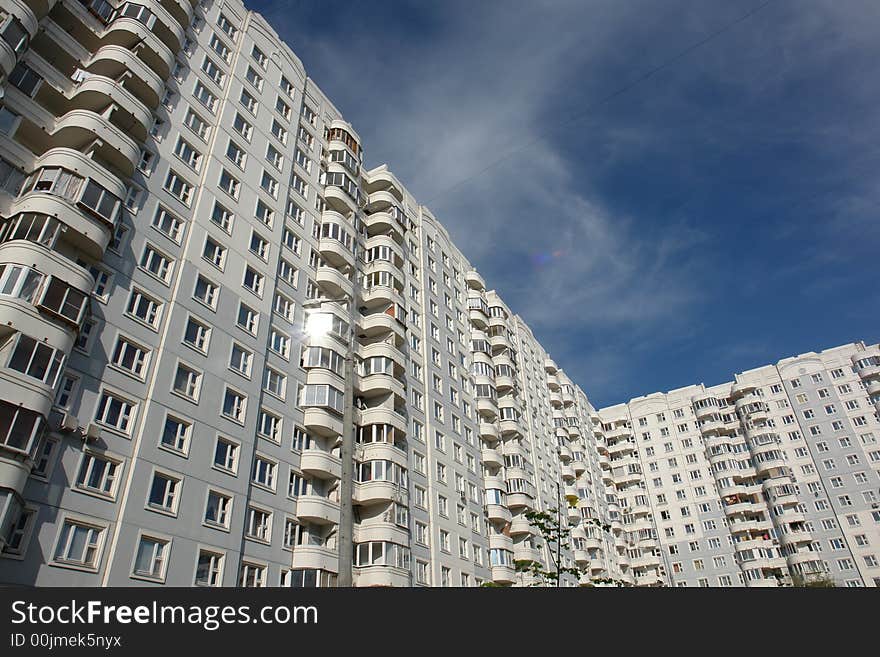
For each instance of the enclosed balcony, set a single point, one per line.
(315, 557)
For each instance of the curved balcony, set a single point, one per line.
(385, 350)
(380, 324)
(500, 542)
(87, 232)
(872, 387)
(567, 472)
(322, 422)
(491, 457)
(315, 556)
(503, 574)
(339, 199)
(510, 427)
(474, 280)
(564, 453)
(770, 466)
(320, 464)
(525, 553)
(134, 35)
(317, 509)
(487, 408)
(96, 92)
(380, 295)
(36, 256)
(333, 282)
(497, 513)
(375, 492)
(520, 500)
(505, 383)
(384, 223)
(478, 318)
(489, 432)
(398, 259)
(714, 425)
(581, 557)
(377, 385)
(22, 390)
(8, 57)
(579, 465)
(113, 61)
(334, 252)
(520, 526)
(384, 180)
(386, 576)
(741, 388)
(78, 129)
(381, 415)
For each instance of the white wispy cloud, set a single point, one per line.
(475, 82)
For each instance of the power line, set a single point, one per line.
(611, 96)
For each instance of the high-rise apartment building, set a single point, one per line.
(233, 356)
(178, 197)
(768, 478)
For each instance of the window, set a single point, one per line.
(206, 292)
(218, 510)
(234, 405)
(241, 360)
(226, 455)
(252, 575)
(178, 187)
(264, 472)
(260, 57)
(151, 557)
(242, 127)
(188, 154)
(248, 318)
(229, 184)
(167, 224)
(209, 569)
(258, 525)
(197, 335)
(115, 412)
(248, 102)
(197, 124)
(254, 78)
(79, 544)
(164, 493)
(253, 281)
(213, 71)
(175, 435)
(187, 382)
(98, 474)
(156, 263)
(235, 154)
(214, 253)
(130, 357)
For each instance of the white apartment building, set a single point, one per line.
(768, 478)
(233, 356)
(178, 198)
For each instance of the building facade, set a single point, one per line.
(178, 197)
(770, 478)
(180, 204)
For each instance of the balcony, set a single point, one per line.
(315, 556)
(375, 492)
(520, 525)
(474, 280)
(497, 513)
(387, 576)
(320, 464)
(503, 574)
(333, 282)
(381, 415)
(322, 422)
(491, 457)
(489, 432)
(379, 324)
(317, 509)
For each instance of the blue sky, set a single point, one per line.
(719, 215)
